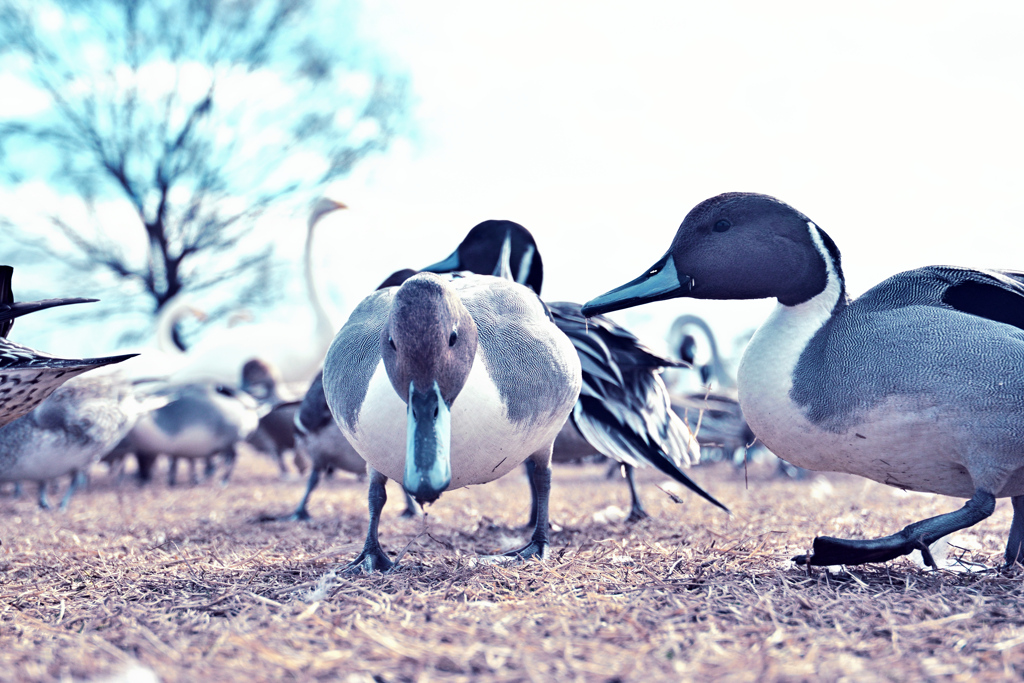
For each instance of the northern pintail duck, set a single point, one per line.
(443, 383)
(67, 432)
(914, 384)
(28, 376)
(197, 422)
(623, 411)
(275, 434)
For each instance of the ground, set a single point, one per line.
(181, 582)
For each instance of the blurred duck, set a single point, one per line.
(915, 384)
(198, 423)
(67, 432)
(623, 411)
(296, 353)
(275, 434)
(443, 383)
(28, 376)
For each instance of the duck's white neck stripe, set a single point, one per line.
(827, 298)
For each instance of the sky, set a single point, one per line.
(598, 125)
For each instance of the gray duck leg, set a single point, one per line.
(412, 508)
(531, 467)
(44, 503)
(1015, 546)
(373, 557)
(917, 536)
(540, 483)
(76, 481)
(636, 508)
(301, 514)
(230, 456)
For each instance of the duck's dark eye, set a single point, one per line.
(392, 342)
(722, 225)
(454, 337)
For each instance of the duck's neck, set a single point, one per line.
(768, 361)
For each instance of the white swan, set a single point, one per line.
(297, 354)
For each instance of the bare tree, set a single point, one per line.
(196, 115)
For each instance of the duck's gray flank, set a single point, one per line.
(360, 340)
(870, 351)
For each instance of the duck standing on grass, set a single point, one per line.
(442, 383)
(915, 384)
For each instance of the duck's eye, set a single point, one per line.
(454, 337)
(391, 341)
(722, 225)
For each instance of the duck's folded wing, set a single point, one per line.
(624, 409)
(996, 295)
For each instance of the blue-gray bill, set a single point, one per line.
(428, 466)
(661, 281)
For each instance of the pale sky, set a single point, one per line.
(598, 125)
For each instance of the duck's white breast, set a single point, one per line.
(485, 445)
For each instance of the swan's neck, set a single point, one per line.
(324, 328)
(171, 314)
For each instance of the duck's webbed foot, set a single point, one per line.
(372, 559)
(917, 536)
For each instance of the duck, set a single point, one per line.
(623, 411)
(219, 357)
(913, 384)
(197, 421)
(445, 382)
(275, 433)
(68, 431)
(28, 376)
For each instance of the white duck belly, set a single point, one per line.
(485, 445)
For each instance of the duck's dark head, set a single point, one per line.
(428, 347)
(481, 253)
(737, 245)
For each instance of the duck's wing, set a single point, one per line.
(624, 409)
(996, 295)
(354, 356)
(9, 309)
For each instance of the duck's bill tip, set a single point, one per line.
(660, 282)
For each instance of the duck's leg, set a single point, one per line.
(917, 536)
(76, 480)
(230, 456)
(172, 473)
(373, 557)
(636, 508)
(1015, 546)
(412, 508)
(540, 481)
(531, 467)
(301, 514)
(43, 502)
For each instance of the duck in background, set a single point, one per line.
(914, 384)
(623, 411)
(67, 432)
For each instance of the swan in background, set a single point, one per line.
(164, 357)
(296, 353)
(682, 342)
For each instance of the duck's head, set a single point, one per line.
(428, 347)
(737, 245)
(481, 252)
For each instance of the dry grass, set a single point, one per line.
(181, 581)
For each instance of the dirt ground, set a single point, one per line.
(182, 585)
